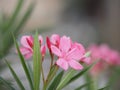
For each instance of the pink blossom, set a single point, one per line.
(68, 53)
(55, 39)
(27, 43)
(107, 57)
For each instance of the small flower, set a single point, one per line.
(27, 43)
(53, 40)
(68, 54)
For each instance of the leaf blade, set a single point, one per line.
(15, 76)
(37, 63)
(66, 79)
(56, 81)
(6, 84)
(24, 65)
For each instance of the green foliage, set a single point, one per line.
(24, 65)
(6, 84)
(16, 77)
(66, 79)
(56, 81)
(12, 25)
(37, 62)
(83, 86)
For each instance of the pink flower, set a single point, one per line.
(53, 40)
(27, 43)
(107, 57)
(68, 54)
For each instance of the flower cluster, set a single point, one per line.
(106, 57)
(69, 53)
(27, 43)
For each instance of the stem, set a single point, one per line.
(43, 75)
(94, 84)
(50, 76)
(52, 58)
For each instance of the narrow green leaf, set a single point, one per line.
(14, 15)
(30, 71)
(66, 79)
(37, 62)
(83, 86)
(104, 88)
(24, 65)
(52, 73)
(7, 84)
(56, 81)
(15, 77)
(24, 18)
(79, 74)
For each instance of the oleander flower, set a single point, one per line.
(27, 43)
(69, 54)
(107, 57)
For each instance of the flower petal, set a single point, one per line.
(80, 47)
(40, 39)
(24, 41)
(65, 44)
(86, 60)
(56, 51)
(75, 65)
(62, 63)
(75, 54)
(24, 50)
(29, 55)
(55, 39)
(43, 50)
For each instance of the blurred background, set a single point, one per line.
(85, 21)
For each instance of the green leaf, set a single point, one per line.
(104, 88)
(24, 65)
(24, 18)
(37, 62)
(15, 77)
(82, 86)
(56, 81)
(7, 84)
(66, 79)
(79, 74)
(14, 15)
(52, 73)
(30, 71)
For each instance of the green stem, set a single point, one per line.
(50, 76)
(43, 77)
(94, 84)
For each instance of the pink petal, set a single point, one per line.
(43, 50)
(75, 54)
(56, 51)
(65, 44)
(48, 43)
(24, 41)
(62, 63)
(75, 65)
(29, 55)
(55, 39)
(40, 39)
(24, 50)
(79, 46)
(86, 60)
